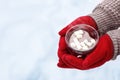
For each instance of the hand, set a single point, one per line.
(102, 53)
(62, 45)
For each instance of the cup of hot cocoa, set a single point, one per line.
(81, 39)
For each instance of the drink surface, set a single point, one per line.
(80, 40)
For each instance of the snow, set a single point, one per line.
(29, 40)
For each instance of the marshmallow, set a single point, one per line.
(76, 41)
(87, 43)
(80, 40)
(85, 48)
(77, 44)
(92, 41)
(72, 44)
(79, 47)
(78, 32)
(82, 44)
(79, 36)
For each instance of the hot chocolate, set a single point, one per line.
(81, 39)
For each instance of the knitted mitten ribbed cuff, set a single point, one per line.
(115, 37)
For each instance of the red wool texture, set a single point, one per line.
(101, 54)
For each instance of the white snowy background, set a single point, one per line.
(29, 40)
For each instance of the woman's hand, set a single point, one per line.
(102, 53)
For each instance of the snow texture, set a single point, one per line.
(29, 40)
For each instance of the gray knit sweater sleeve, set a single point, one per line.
(115, 37)
(107, 15)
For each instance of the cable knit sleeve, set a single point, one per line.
(107, 15)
